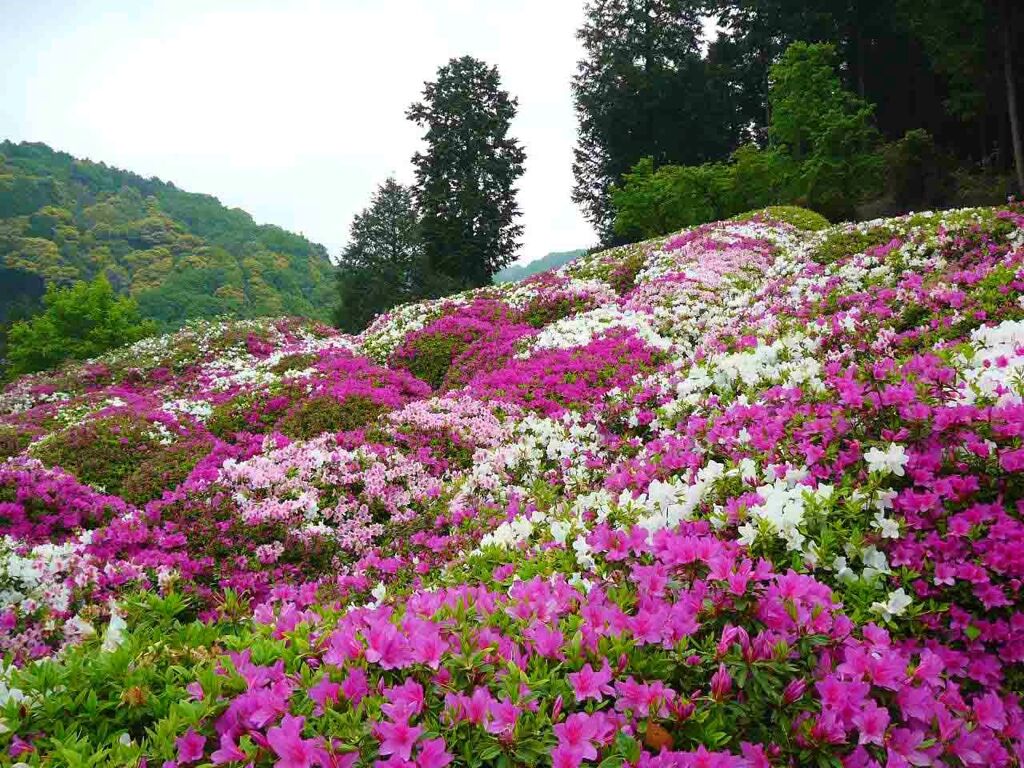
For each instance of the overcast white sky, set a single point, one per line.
(290, 109)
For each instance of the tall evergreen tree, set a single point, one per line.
(383, 264)
(465, 180)
(641, 90)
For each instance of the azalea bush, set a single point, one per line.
(748, 495)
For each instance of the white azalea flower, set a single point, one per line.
(893, 459)
(113, 637)
(896, 604)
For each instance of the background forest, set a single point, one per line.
(179, 255)
(884, 107)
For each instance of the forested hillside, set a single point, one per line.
(180, 255)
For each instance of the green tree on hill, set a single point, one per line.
(824, 154)
(825, 129)
(78, 322)
(383, 264)
(465, 180)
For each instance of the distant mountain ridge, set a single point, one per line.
(553, 260)
(181, 255)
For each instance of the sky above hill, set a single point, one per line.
(293, 110)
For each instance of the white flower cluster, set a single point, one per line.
(892, 460)
(511, 532)
(873, 561)
(8, 693)
(788, 360)
(996, 368)
(30, 580)
(579, 330)
(782, 512)
(896, 604)
(668, 502)
(199, 410)
(542, 444)
(19, 397)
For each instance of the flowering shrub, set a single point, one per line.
(748, 496)
(104, 452)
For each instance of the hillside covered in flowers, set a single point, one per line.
(749, 495)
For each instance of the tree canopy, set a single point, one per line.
(383, 264)
(79, 322)
(648, 86)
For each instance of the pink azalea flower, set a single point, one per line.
(354, 686)
(403, 701)
(721, 683)
(503, 717)
(871, 721)
(588, 684)
(229, 751)
(190, 746)
(291, 749)
(324, 692)
(397, 738)
(433, 754)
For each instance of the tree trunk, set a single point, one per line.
(859, 38)
(1011, 96)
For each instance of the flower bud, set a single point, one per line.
(794, 690)
(721, 683)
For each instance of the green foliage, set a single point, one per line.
(292, 412)
(314, 416)
(295, 362)
(760, 177)
(622, 276)
(384, 263)
(248, 412)
(917, 172)
(13, 441)
(824, 156)
(429, 356)
(642, 89)
(129, 703)
(165, 468)
(842, 243)
(79, 322)
(974, 187)
(824, 128)
(541, 312)
(801, 218)
(465, 180)
(656, 202)
(106, 452)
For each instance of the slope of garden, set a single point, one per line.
(748, 495)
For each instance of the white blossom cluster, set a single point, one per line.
(995, 369)
(29, 580)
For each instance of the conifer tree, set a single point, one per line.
(465, 179)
